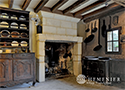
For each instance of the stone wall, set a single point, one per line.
(58, 24)
(88, 48)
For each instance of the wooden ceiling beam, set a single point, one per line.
(120, 2)
(56, 11)
(40, 5)
(102, 12)
(73, 6)
(26, 4)
(10, 2)
(57, 5)
(96, 4)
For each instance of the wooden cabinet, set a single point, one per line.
(17, 68)
(96, 68)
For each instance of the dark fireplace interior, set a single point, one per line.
(58, 59)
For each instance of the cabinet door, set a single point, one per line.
(5, 70)
(117, 69)
(23, 69)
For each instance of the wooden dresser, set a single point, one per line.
(17, 68)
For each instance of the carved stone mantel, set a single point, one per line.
(40, 52)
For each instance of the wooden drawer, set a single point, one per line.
(23, 55)
(5, 55)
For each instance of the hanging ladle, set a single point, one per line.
(99, 46)
(90, 37)
(95, 28)
(87, 30)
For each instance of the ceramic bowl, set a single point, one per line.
(15, 34)
(14, 25)
(4, 24)
(14, 43)
(23, 43)
(5, 33)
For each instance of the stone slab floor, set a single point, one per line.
(67, 83)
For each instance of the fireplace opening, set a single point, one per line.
(58, 59)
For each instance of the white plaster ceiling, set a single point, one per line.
(51, 3)
(67, 4)
(33, 3)
(89, 2)
(99, 7)
(18, 2)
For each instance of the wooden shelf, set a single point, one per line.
(14, 46)
(8, 40)
(14, 20)
(13, 29)
(10, 43)
(13, 38)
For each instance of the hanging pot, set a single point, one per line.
(90, 37)
(99, 46)
(95, 28)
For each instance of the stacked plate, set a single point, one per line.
(15, 34)
(23, 26)
(24, 35)
(5, 33)
(4, 24)
(14, 25)
(22, 17)
(14, 43)
(14, 17)
(23, 43)
(4, 15)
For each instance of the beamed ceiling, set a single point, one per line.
(84, 9)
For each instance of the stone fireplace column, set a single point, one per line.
(40, 64)
(77, 58)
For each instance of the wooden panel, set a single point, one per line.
(23, 69)
(23, 55)
(117, 69)
(5, 55)
(5, 70)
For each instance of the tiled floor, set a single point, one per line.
(68, 83)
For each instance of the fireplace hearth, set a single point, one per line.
(58, 59)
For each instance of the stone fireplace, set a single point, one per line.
(60, 29)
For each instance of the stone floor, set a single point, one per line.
(68, 83)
